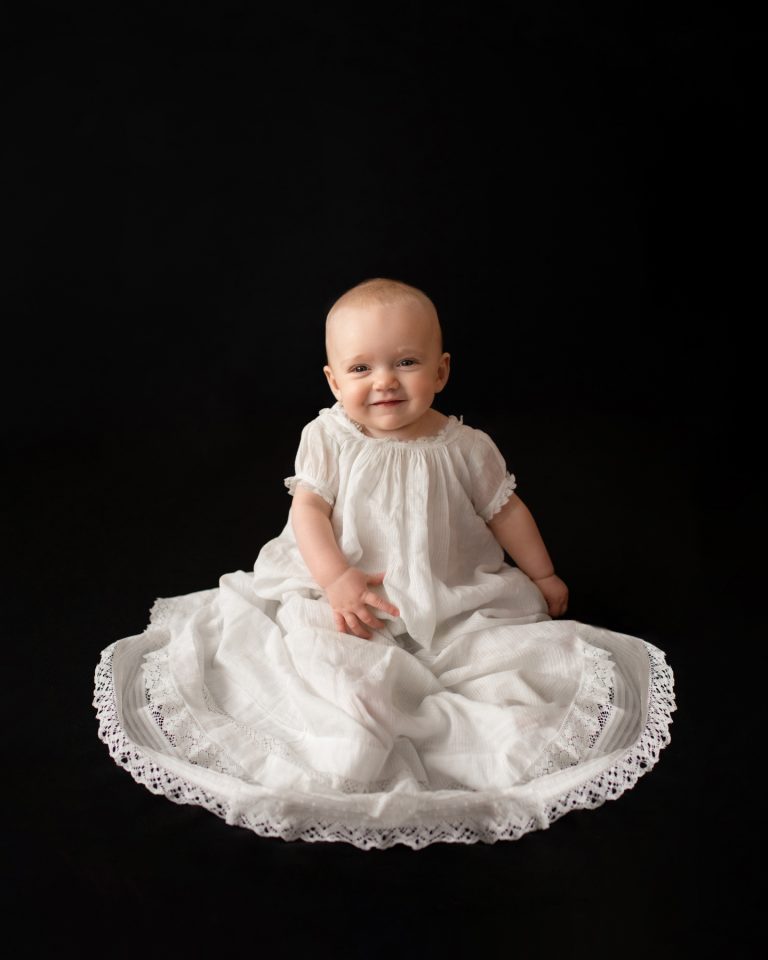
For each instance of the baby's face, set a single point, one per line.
(385, 366)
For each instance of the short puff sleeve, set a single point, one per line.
(317, 466)
(492, 484)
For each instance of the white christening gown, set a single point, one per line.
(473, 716)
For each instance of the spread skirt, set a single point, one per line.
(259, 712)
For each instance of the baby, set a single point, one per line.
(316, 698)
(385, 363)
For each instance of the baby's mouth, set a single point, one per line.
(386, 403)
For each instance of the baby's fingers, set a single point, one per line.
(340, 622)
(366, 616)
(355, 627)
(558, 609)
(374, 600)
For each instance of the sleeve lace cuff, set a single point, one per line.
(503, 494)
(292, 482)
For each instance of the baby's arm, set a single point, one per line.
(516, 531)
(346, 587)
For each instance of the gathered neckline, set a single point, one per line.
(448, 427)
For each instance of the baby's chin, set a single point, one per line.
(389, 424)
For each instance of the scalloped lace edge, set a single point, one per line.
(292, 482)
(608, 784)
(503, 494)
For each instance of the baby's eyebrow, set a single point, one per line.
(362, 358)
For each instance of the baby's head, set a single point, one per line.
(385, 356)
(381, 292)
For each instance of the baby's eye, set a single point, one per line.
(359, 368)
(407, 362)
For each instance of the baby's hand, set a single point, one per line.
(350, 597)
(555, 593)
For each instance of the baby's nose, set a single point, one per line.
(386, 380)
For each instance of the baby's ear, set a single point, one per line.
(332, 382)
(443, 371)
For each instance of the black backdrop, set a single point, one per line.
(188, 191)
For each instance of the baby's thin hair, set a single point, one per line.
(385, 291)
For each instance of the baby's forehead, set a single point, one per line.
(349, 319)
(349, 331)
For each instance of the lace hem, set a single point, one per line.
(586, 721)
(503, 494)
(292, 482)
(267, 816)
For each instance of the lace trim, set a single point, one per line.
(162, 610)
(292, 482)
(581, 729)
(169, 713)
(166, 708)
(269, 819)
(341, 414)
(586, 721)
(503, 494)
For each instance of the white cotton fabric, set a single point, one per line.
(471, 716)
